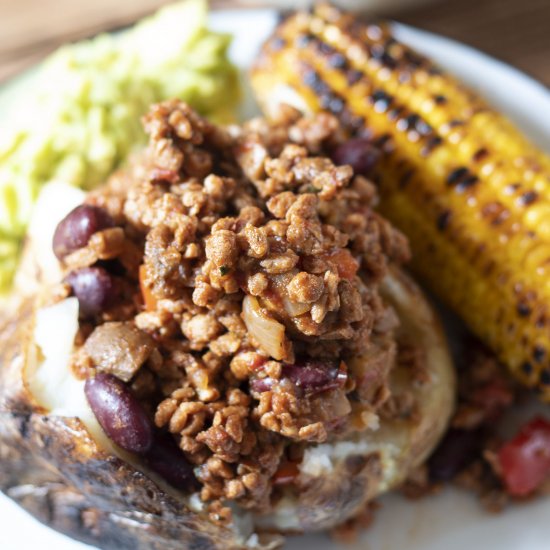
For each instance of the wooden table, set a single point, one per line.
(517, 31)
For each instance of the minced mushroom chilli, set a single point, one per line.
(228, 283)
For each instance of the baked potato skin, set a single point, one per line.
(328, 500)
(54, 470)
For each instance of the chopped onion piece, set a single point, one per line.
(55, 201)
(47, 373)
(294, 309)
(50, 381)
(269, 334)
(280, 283)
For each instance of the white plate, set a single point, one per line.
(452, 520)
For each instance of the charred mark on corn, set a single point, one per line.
(457, 175)
(394, 114)
(381, 54)
(338, 61)
(381, 101)
(328, 99)
(529, 197)
(277, 43)
(443, 220)
(431, 143)
(303, 40)
(495, 213)
(313, 80)
(461, 179)
(539, 354)
(414, 122)
(455, 122)
(480, 154)
(406, 178)
(527, 368)
(353, 76)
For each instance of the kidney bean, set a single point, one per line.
(259, 385)
(312, 377)
(315, 376)
(119, 413)
(359, 153)
(168, 461)
(286, 474)
(458, 450)
(94, 287)
(75, 230)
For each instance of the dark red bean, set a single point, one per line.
(312, 377)
(168, 461)
(75, 230)
(458, 450)
(94, 287)
(259, 385)
(315, 376)
(359, 153)
(119, 413)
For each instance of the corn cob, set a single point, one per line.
(470, 192)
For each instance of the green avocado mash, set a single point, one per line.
(81, 117)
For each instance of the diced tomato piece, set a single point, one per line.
(257, 362)
(494, 397)
(148, 299)
(164, 174)
(346, 264)
(525, 460)
(287, 473)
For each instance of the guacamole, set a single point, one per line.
(81, 117)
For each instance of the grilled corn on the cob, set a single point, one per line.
(471, 193)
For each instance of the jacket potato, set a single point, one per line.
(343, 440)
(66, 475)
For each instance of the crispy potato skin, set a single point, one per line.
(420, 323)
(326, 501)
(53, 469)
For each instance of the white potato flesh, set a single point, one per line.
(268, 333)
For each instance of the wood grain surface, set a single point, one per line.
(516, 31)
